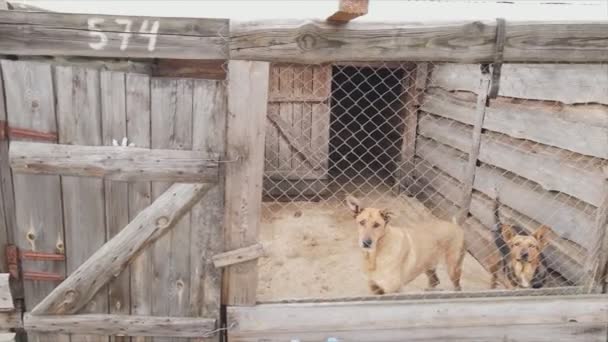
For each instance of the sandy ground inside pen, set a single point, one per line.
(311, 251)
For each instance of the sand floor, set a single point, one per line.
(311, 251)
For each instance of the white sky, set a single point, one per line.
(380, 10)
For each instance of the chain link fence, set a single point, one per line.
(398, 136)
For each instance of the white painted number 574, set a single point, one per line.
(102, 39)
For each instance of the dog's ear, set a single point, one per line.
(386, 215)
(507, 232)
(353, 204)
(542, 236)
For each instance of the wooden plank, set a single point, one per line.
(286, 151)
(581, 130)
(79, 122)
(247, 105)
(271, 151)
(412, 90)
(140, 193)
(565, 83)
(293, 142)
(6, 298)
(563, 256)
(473, 151)
(238, 256)
(3, 5)
(552, 168)
(30, 104)
(315, 41)
(349, 10)
(45, 33)
(483, 319)
(566, 217)
(207, 216)
(12, 320)
(171, 120)
(597, 258)
(8, 224)
(190, 68)
(148, 226)
(120, 325)
(114, 127)
(114, 163)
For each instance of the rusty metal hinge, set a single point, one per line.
(16, 133)
(33, 255)
(12, 261)
(42, 276)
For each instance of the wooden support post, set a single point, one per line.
(412, 90)
(469, 175)
(246, 124)
(114, 163)
(152, 223)
(349, 10)
(120, 325)
(597, 258)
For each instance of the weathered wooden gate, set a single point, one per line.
(109, 246)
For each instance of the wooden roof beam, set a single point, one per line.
(349, 10)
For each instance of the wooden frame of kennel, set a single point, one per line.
(32, 34)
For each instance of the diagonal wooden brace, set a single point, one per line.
(115, 255)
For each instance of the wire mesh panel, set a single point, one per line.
(398, 136)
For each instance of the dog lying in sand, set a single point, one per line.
(394, 256)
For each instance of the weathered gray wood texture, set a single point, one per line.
(542, 152)
(485, 319)
(297, 131)
(61, 34)
(246, 124)
(119, 326)
(115, 163)
(7, 198)
(174, 278)
(30, 104)
(310, 41)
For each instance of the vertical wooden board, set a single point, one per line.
(297, 161)
(271, 155)
(39, 222)
(321, 113)
(114, 126)
(138, 132)
(321, 80)
(320, 133)
(171, 122)
(7, 201)
(79, 122)
(247, 108)
(286, 112)
(207, 235)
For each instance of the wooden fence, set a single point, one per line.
(72, 215)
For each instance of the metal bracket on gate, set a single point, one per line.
(498, 57)
(16, 133)
(14, 256)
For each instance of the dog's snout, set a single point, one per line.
(367, 243)
(525, 255)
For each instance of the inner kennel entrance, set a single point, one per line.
(351, 118)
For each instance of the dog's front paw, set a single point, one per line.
(123, 143)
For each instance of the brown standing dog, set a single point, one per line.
(395, 256)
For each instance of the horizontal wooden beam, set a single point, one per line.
(479, 319)
(60, 34)
(6, 298)
(238, 256)
(311, 41)
(120, 325)
(349, 10)
(114, 163)
(108, 261)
